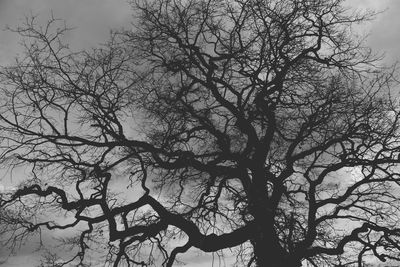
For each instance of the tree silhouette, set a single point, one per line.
(267, 127)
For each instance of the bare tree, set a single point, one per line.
(263, 126)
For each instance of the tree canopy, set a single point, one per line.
(264, 127)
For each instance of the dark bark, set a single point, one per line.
(269, 253)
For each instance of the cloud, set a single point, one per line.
(27, 260)
(385, 35)
(369, 4)
(6, 188)
(93, 20)
(382, 31)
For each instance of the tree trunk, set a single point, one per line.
(267, 249)
(269, 252)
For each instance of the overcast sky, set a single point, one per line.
(94, 19)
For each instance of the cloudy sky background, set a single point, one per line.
(93, 20)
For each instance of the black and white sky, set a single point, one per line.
(93, 20)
